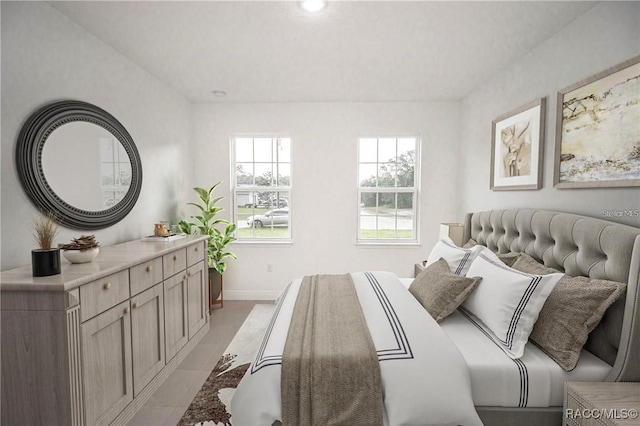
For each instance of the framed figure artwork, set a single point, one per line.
(598, 130)
(517, 139)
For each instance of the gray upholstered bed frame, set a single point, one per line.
(577, 245)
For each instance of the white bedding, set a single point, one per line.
(424, 376)
(535, 380)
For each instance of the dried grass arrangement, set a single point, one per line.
(45, 230)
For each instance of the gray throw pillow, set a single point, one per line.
(470, 243)
(509, 258)
(506, 258)
(573, 309)
(441, 291)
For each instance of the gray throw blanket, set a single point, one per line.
(330, 368)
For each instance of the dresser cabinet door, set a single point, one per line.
(175, 312)
(147, 336)
(106, 356)
(196, 297)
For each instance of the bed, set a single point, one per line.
(576, 245)
(579, 246)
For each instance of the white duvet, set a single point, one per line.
(424, 376)
(497, 380)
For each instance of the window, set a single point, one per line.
(388, 189)
(262, 188)
(115, 168)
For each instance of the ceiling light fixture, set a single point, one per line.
(313, 5)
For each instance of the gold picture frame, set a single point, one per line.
(517, 142)
(597, 132)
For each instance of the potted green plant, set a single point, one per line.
(220, 232)
(46, 259)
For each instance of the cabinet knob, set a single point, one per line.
(196, 249)
(136, 305)
(149, 268)
(175, 257)
(126, 310)
(107, 286)
(188, 273)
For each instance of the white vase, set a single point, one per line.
(81, 256)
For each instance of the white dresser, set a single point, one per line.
(89, 346)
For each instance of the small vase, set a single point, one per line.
(45, 262)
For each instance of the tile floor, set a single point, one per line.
(166, 406)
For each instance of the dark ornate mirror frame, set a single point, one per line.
(31, 140)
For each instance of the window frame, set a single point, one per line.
(115, 188)
(415, 190)
(235, 189)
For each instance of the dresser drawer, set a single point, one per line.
(175, 262)
(102, 294)
(196, 253)
(145, 275)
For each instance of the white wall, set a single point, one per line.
(46, 57)
(324, 200)
(605, 36)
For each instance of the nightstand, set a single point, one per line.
(417, 268)
(601, 403)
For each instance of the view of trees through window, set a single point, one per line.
(387, 188)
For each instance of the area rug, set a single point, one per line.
(210, 405)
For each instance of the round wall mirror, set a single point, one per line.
(77, 161)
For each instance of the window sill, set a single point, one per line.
(264, 242)
(399, 244)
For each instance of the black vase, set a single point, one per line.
(45, 262)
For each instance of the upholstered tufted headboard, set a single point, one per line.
(578, 245)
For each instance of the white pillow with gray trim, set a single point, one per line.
(508, 301)
(459, 259)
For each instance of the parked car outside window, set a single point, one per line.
(278, 217)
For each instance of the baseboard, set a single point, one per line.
(250, 295)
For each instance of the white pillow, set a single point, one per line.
(459, 259)
(508, 301)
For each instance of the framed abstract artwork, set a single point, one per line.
(598, 130)
(517, 139)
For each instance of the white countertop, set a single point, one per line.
(111, 259)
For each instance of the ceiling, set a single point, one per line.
(273, 51)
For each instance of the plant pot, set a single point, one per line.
(215, 288)
(81, 256)
(45, 262)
